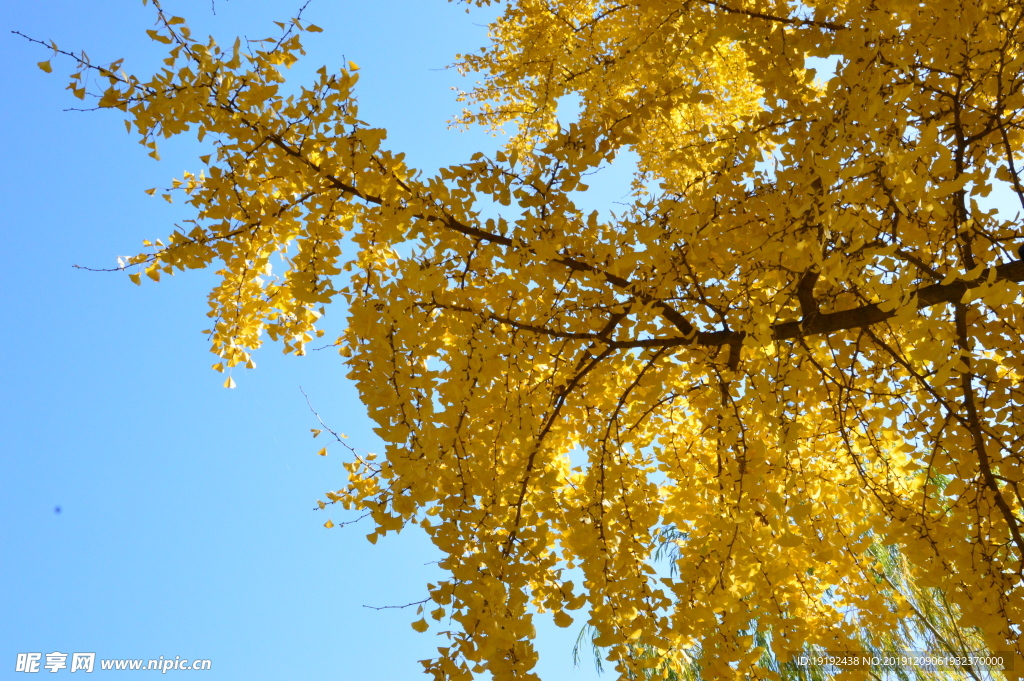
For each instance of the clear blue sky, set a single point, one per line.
(187, 525)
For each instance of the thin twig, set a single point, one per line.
(389, 607)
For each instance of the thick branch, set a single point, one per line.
(805, 294)
(843, 320)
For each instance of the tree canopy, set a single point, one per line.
(798, 338)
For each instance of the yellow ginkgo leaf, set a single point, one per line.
(789, 540)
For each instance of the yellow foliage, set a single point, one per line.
(798, 327)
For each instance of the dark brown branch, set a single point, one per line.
(805, 294)
(734, 356)
(560, 400)
(977, 434)
(771, 17)
(667, 311)
(843, 320)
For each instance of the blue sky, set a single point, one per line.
(187, 525)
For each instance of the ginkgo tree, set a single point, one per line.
(800, 337)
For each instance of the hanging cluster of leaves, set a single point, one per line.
(932, 625)
(800, 337)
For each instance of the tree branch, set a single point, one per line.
(843, 320)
